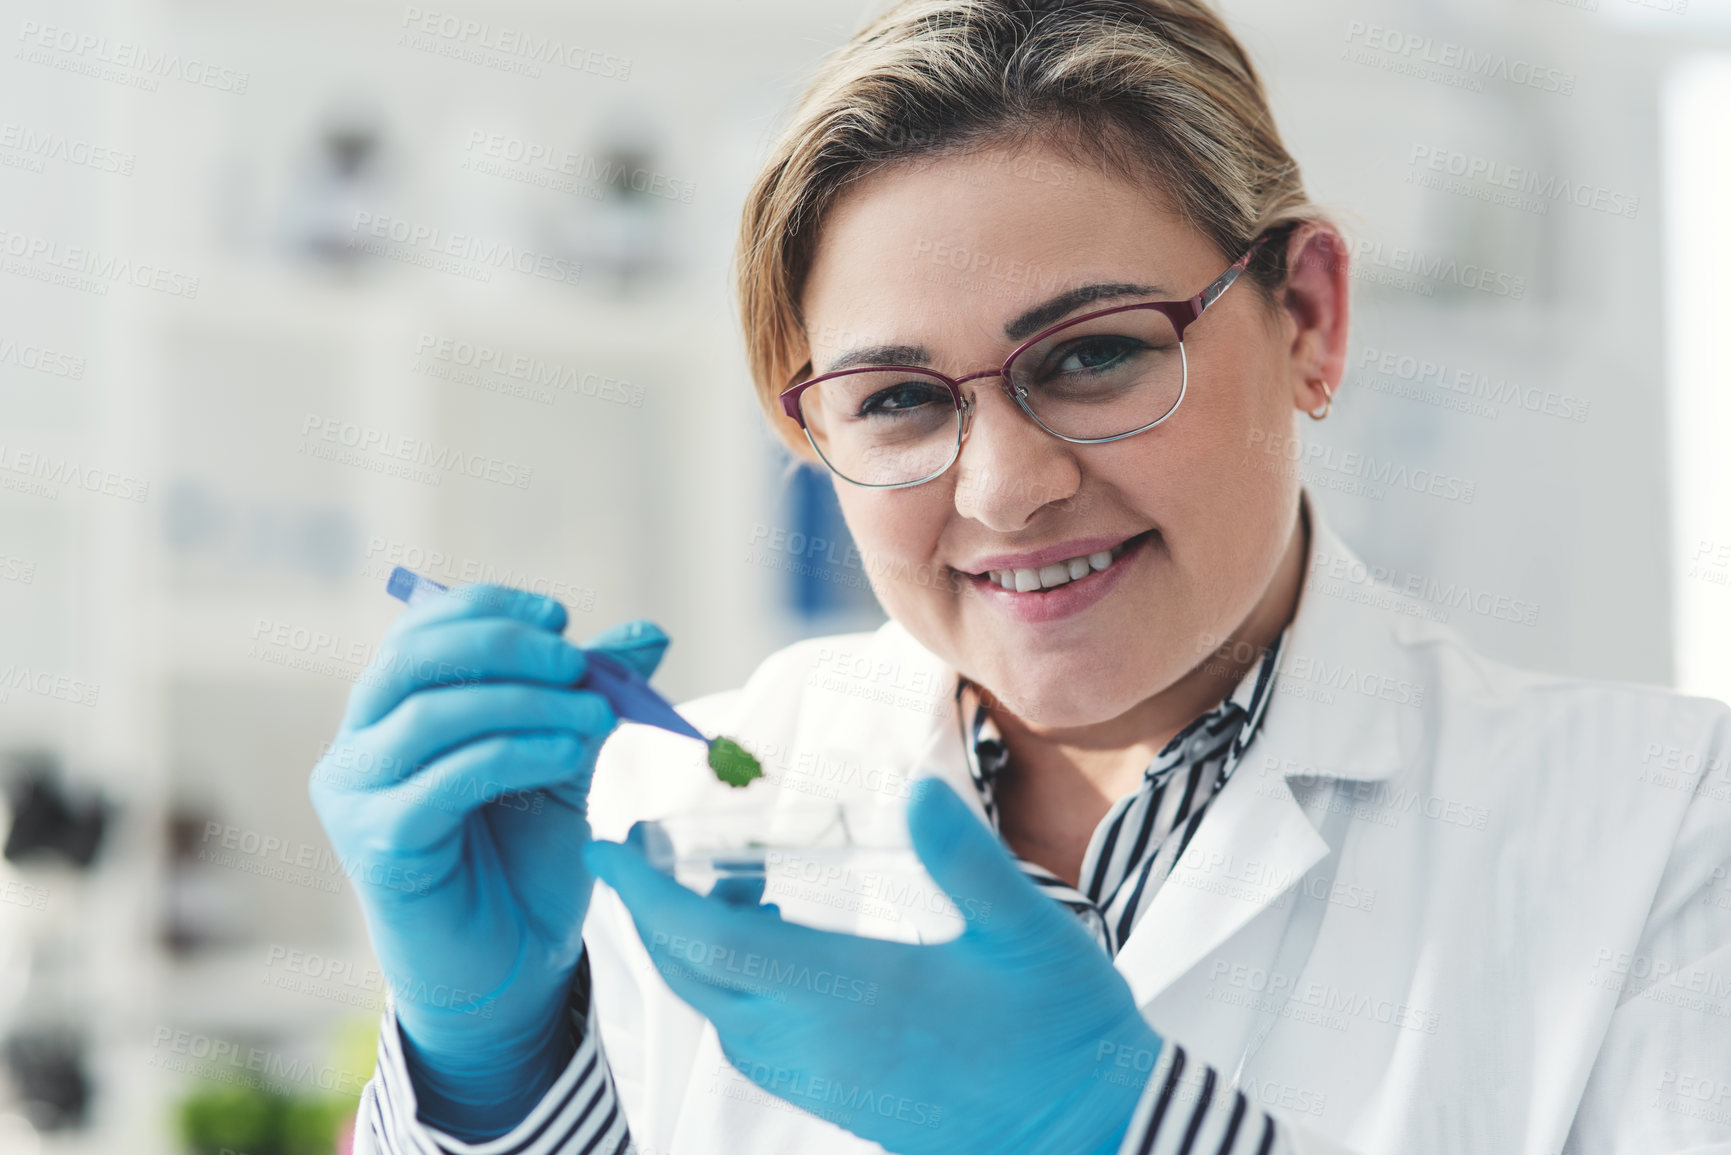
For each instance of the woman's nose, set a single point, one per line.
(1009, 468)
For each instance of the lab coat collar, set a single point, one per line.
(1343, 699)
(1345, 691)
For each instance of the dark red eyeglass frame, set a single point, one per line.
(1182, 314)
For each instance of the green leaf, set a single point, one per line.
(733, 763)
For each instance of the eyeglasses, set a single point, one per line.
(1100, 377)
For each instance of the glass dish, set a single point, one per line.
(846, 866)
(702, 847)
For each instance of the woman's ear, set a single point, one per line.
(1317, 299)
(785, 428)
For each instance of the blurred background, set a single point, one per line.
(291, 293)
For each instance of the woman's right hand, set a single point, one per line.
(456, 795)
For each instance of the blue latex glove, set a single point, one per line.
(456, 793)
(1008, 1039)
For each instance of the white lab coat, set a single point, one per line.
(1525, 947)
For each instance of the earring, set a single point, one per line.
(1327, 400)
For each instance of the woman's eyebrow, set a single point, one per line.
(1024, 326)
(881, 355)
(1058, 307)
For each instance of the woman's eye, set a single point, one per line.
(898, 398)
(1092, 354)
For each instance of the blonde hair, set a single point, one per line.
(1155, 89)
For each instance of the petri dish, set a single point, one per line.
(846, 865)
(701, 847)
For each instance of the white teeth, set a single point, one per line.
(1058, 573)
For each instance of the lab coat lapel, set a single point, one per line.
(916, 732)
(1337, 712)
(1253, 847)
(890, 704)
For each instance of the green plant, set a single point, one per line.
(251, 1121)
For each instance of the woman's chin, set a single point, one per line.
(1065, 702)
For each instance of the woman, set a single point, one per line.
(1236, 866)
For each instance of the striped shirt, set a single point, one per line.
(1134, 847)
(580, 1113)
(1185, 1107)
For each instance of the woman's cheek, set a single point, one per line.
(897, 542)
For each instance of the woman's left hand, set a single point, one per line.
(1010, 1038)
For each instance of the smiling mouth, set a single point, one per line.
(1060, 573)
